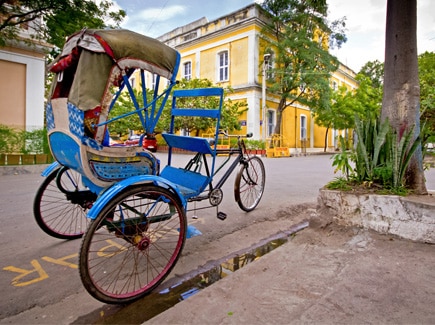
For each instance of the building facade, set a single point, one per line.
(228, 51)
(22, 64)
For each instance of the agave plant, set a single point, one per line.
(380, 156)
(371, 137)
(402, 150)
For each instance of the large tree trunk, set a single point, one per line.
(401, 101)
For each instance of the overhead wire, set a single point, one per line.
(155, 17)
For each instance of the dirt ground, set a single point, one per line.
(325, 274)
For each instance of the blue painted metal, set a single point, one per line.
(50, 168)
(199, 145)
(188, 143)
(108, 194)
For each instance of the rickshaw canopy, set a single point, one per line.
(104, 55)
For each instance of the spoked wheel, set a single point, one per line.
(249, 184)
(61, 204)
(133, 244)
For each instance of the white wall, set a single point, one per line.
(35, 76)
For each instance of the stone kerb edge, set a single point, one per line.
(386, 214)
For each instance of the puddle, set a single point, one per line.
(157, 302)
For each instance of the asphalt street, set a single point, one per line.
(39, 274)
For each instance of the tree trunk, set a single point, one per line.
(279, 111)
(401, 99)
(326, 139)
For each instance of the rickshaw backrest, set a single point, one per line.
(93, 64)
(193, 182)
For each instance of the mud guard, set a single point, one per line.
(116, 188)
(49, 169)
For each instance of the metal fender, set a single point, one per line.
(50, 168)
(115, 189)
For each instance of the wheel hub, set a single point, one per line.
(143, 243)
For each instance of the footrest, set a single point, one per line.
(221, 216)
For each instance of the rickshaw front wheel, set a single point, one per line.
(55, 212)
(249, 183)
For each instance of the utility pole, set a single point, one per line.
(266, 59)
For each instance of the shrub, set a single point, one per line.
(19, 141)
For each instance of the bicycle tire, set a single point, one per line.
(133, 244)
(54, 213)
(249, 184)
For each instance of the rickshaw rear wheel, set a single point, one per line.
(133, 244)
(54, 211)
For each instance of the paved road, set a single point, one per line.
(39, 277)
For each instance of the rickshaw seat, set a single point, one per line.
(189, 183)
(100, 164)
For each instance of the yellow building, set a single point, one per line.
(228, 52)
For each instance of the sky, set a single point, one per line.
(365, 22)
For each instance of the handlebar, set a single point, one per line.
(225, 133)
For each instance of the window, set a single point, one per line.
(270, 123)
(187, 70)
(303, 127)
(334, 85)
(223, 66)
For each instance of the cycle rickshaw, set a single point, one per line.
(137, 211)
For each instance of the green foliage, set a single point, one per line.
(60, 18)
(231, 110)
(339, 183)
(374, 70)
(301, 63)
(380, 158)
(371, 136)
(255, 144)
(21, 141)
(36, 141)
(11, 140)
(124, 105)
(341, 161)
(426, 65)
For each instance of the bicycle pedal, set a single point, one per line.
(221, 216)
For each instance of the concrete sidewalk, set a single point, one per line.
(325, 274)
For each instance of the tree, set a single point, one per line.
(400, 103)
(363, 102)
(231, 110)
(54, 20)
(426, 66)
(375, 71)
(340, 114)
(125, 105)
(298, 33)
